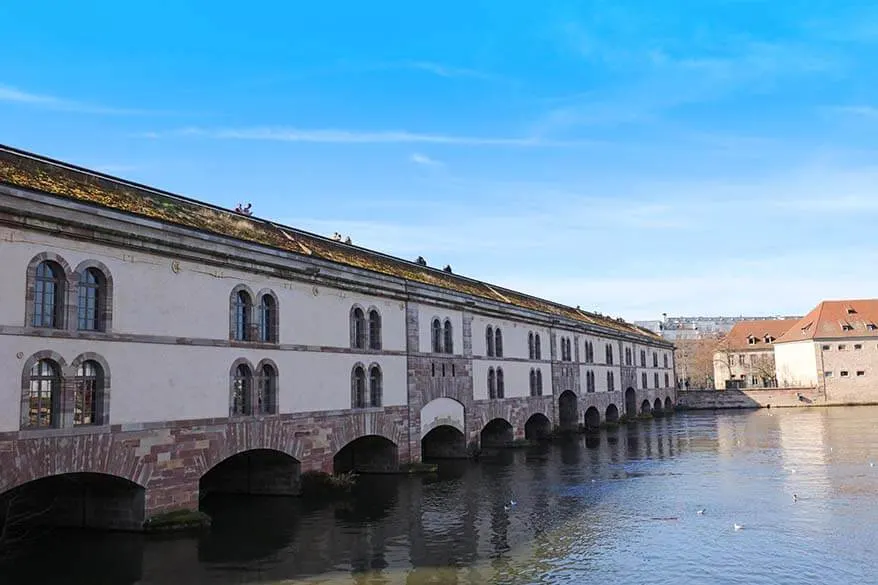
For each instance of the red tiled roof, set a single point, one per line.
(836, 320)
(763, 333)
(30, 171)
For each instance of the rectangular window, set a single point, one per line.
(858, 346)
(844, 373)
(842, 347)
(826, 347)
(861, 372)
(827, 374)
(741, 359)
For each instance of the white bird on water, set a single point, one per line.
(700, 512)
(738, 526)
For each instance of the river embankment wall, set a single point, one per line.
(751, 398)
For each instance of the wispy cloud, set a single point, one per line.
(13, 95)
(447, 71)
(423, 159)
(335, 136)
(861, 111)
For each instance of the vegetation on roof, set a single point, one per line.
(49, 177)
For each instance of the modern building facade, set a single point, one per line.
(174, 345)
(744, 358)
(835, 349)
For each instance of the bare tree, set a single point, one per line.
(20, 517)
(695, 361)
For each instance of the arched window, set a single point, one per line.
(665, 356)
(609, 354)
(266, 390)
(644, 380)
(537, 352)
(530, 345)
(243, 308)
(589, 381)
(498, 343)
(241, 389)
(49, 296)
(375, 386)
(268, 319)
(358, 390)
(91, 299)
(437, 336)
(449, 337)
(533, 382)
(655, 379)
(44, 395)
(539, 382)
(87, 393)
(667, 381)
(654, 359)
(358, 328)
(492, 384)
(610, 382)
(501, 386)
(374, 329)
(642, 358)
(489, 341)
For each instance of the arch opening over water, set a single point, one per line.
(630, 402)
(669, 404)
(367, 454)
(657, 406)
(537, 427)
(72, 500)
(497, 433)
(262, 472)
(592, 419)
(611, 415)
(568, 411)
(645, 407)
(443, 442)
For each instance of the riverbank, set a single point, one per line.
(752, 398)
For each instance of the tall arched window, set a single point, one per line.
(243, 310)
(655, 380)
(501, 385)
(374, 329)
(667, 381)
(268, 319)
(590, 351)
(449, 337)
(644, 380)
(533, 382)
(498, 343)
(266, 390)
(242, 387)
(87, 393)
(49, 296)
(44, 395)
(358, 328)
(375, 386)
(539, 382)
(437, 336)
(358, 390)
(654, 359)
(609, 354)
(610, 382)
(530, 345)
(489, 341)
(492, 384)
(91, 298)
(642, 358)
(537, 352)
(665, 357)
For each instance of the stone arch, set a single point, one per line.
(645, 407)
(497, 432)
(657, 406)
(361, 424)
(537, 426)
(372, 452)
(630, 402)
(611, 415)
(669, 404)
(443, 411)
(249, 435)
(67, 297)
(257, 471)
(592, 418)
(105, 305)
(233, 295)
(568, 410)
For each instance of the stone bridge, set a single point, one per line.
(118, 476)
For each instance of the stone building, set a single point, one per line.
(834, 348)
(744, 358)
(182, 348)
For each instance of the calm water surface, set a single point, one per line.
(619, 508)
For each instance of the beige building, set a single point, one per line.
(745, 357)
(834, 348)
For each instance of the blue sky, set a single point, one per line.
(711, 157)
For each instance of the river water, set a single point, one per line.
(616, 508)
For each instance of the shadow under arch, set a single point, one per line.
(367, 454)
(443, 442)
(264, 472)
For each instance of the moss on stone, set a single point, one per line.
(322, 485)
(183, 519)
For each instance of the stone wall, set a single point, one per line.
(750, 398)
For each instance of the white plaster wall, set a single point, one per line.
(150, 299)
(514, 337)
(426, 314)
(600, 377)
(795, 363)
(156, 382)
(516, 378)
(448, 409)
